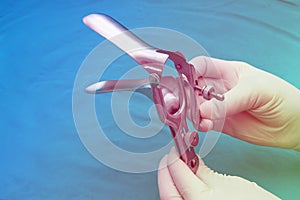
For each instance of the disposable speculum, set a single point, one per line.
(174, 97)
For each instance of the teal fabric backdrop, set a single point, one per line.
(42, 45)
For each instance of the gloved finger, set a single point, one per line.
(187, 183)
(211, 67)
(255, 133)
(166, 186)
(205, 125)
(240, 98)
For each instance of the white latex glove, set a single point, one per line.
(177, 181)
(259, 107)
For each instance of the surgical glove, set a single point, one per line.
(177, 181)
(259, 107)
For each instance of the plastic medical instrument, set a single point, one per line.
(174, 97)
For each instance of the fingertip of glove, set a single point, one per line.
(213, 109)
(163, 163)
(205, 125)
(206, 109)
(173, 157)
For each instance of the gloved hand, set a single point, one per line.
(259, 107)
(177, 181)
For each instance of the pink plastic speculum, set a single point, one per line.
(168, 93)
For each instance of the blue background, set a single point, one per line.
(42, 45)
